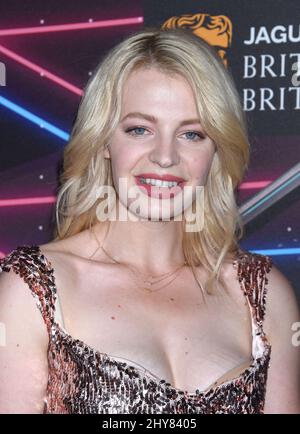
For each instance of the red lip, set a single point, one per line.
(169, 178)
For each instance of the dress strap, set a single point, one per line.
(28, 262)
(252, 274)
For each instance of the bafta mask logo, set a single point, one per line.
(215, 30)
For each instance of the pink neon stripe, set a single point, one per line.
(74, 26)
(27, 201)
(41, 71)
(52, 199)
(254, 184)
(2, 254)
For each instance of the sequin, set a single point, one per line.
(82, 380)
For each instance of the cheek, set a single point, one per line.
(200, 167)
(124, 159)
(120, 161)
(122, 165)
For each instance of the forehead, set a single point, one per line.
(153, 76)
(152, 86)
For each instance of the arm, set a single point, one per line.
(282, 316)
(23, 349)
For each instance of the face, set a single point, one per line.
(159, 134)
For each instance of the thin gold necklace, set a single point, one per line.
(150, 281)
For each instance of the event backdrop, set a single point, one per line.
(47, 52)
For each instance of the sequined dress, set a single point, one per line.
(82, 380)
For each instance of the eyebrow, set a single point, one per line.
(155, 120)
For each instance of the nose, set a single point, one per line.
(164, 153)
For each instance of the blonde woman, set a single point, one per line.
(145, 314)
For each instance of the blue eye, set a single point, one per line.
(135, 131)
(199, 135)
(129, 130)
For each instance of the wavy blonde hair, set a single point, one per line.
(173, 51)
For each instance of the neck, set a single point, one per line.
(151, 246)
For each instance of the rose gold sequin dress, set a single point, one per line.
(83, 380)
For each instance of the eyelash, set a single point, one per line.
(199, 134)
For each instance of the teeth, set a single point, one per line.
(158, 183)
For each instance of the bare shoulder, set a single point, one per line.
(75, 250)
(81, 244)
(23, 352)
(18, 306)
(280, 295)
(67, 250)
(63, 257)
(281, 303)
(70, 260)
(71, 245)
(282, 325)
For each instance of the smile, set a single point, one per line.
(160, 188)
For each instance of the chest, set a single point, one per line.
(171, 333)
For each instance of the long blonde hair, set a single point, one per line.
(175, 51)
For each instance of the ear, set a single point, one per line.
(106, 152)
